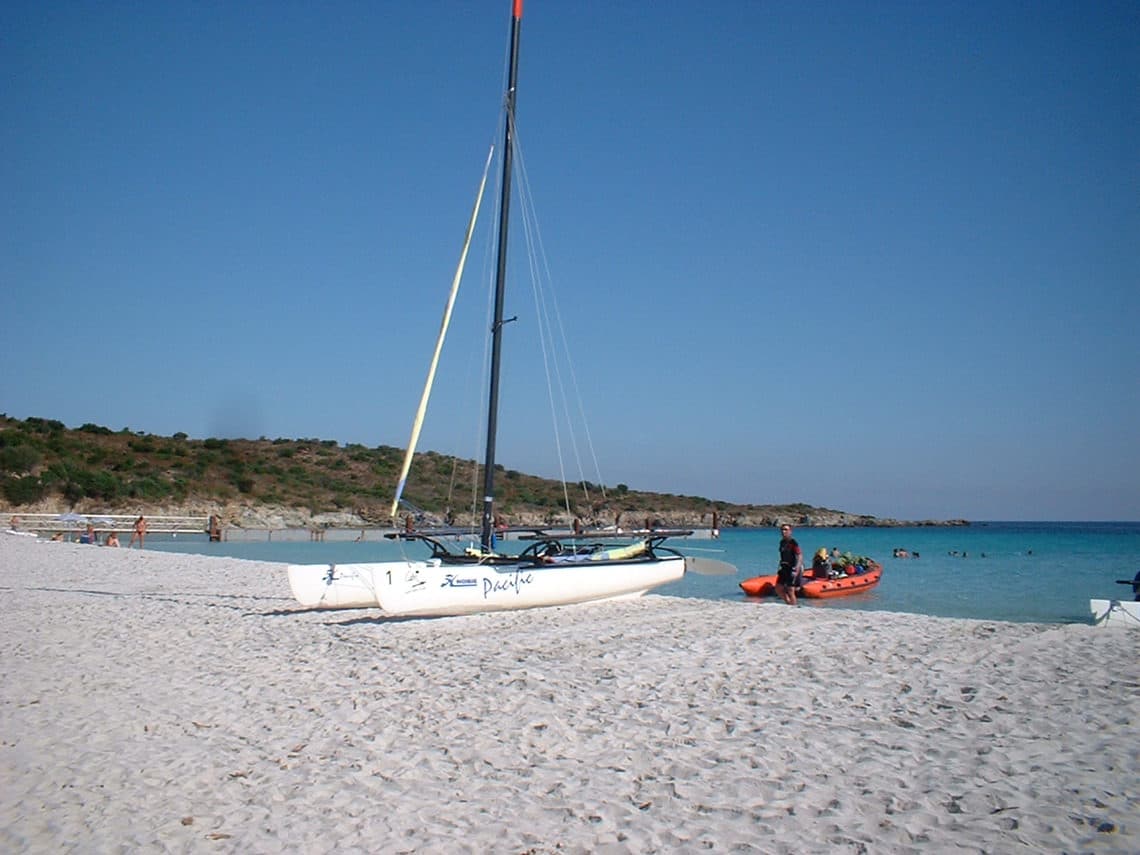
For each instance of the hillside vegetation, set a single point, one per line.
(46, 466)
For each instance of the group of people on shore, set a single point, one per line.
(91, 536)
(790, 576)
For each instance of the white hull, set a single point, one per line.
(1117, 613)
(431, 589)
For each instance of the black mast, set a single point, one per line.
(500, 285)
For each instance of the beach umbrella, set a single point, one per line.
(71, 518)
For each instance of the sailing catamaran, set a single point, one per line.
(551, 570)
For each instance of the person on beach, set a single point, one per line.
(112, 539)
(790, 574)
(139, 533)
(89, 536)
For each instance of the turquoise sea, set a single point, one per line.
(1019, 571)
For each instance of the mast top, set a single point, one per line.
(518, 9)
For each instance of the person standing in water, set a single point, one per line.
(790, 574)
(139, 532)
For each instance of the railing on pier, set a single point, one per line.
(74, 524)
(108, 522)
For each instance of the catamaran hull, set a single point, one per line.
(1115, 613)
(429, 589)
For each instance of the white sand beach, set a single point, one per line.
(160, 702)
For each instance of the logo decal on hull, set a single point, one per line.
(508, 582)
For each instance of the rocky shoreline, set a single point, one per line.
(268, 516)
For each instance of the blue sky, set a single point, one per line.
(880, 257)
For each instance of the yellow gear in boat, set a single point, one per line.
(631, 551)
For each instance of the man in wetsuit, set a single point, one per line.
(790, 574)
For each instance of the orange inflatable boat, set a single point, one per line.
(759, 586)
(840, 586)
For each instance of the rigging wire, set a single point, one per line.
(561, 378)
(550, 321)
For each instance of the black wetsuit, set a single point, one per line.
(789, 558)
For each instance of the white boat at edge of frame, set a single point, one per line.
(1122, 614)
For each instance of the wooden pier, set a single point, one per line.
(73, 522)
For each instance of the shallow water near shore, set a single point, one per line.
(1018, 571)
(1039, 572)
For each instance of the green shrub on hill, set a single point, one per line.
(19, 459)
(42, 459)
(22, 490)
